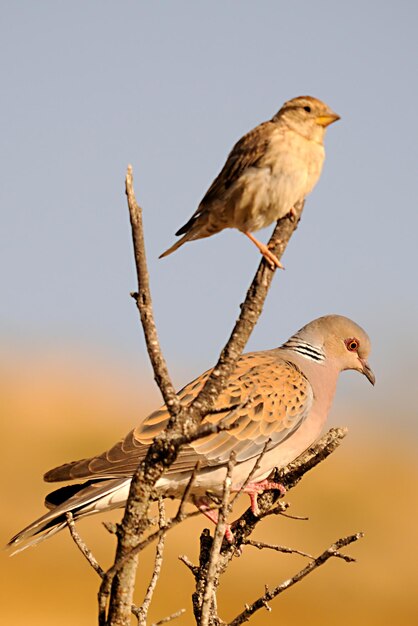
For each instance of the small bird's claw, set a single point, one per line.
(292, 214)
(270, 257)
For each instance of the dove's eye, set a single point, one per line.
(352, 344)
(307, 109)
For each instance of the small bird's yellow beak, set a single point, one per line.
(326, 120)
(368, 372)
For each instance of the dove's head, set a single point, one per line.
(307, 116)
(337, 339)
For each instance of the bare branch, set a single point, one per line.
(111, 527)
(288, 476)
(183, 421)
(253, 471)
(169, 618)
(171, 523)
(139, 612)
(193, 568)
(245, 524)
(261, 602)
(250, 312)
(82, 546)
(142, 611)
(144, 479)
(144, 302)
(299, 518)
(186, 492)
(261, 545)
(212, 578)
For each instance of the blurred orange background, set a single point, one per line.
(369, 485)
(88, 88)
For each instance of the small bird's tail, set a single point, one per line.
(80, 500)
(193, 229)
(187, 237)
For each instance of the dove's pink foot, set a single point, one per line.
(212, 514)
(266, 252)
(254, 490)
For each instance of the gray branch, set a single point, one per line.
(246, 523)
(117, 588)
(332, 551)
(142, 612)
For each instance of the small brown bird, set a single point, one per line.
(279, 398)
(268, 171)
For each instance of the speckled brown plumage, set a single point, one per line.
(277, 399)
(267, 172)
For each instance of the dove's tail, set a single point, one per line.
(80, 500)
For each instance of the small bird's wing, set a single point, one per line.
(246, 153)
(266, 398)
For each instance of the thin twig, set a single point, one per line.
(208, 600)
(204, 430)
(169, 618)
(144, 302)
(170, 524)
(82, 546)
(186, 492)
(252, 472)
(142, 611)
(187, 562)
(250, 312)
(261, 602)
(298, 518)
(288, 476)
(268, 504)
(261, 545)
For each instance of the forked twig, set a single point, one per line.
(212, 567)
(186, 492)
(169, 618)
(261, 545)
(144, 301)
(163, 452)
(261, 602)
(252, 472)
(141, 612)
(87, 553)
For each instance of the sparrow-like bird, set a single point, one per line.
(268, 171)
(284, 394)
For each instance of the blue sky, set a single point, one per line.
(88, 87)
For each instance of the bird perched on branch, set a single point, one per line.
(268, 171)
(283, 398)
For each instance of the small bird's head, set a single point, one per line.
(308, 116)
(340, 340)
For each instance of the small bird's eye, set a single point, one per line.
(352, 344)
(307, 109)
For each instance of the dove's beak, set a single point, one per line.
(367, 371)
(326, 120)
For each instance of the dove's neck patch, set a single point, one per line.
(314, 353)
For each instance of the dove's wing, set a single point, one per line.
(266, 398)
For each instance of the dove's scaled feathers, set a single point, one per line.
(280, 397)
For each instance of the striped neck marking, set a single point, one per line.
(305, 349)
